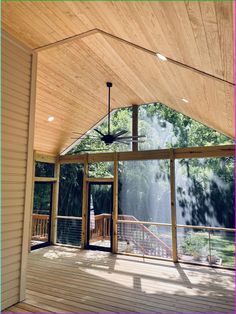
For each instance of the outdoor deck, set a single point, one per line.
(63, 279)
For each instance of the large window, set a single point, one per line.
(165, 128)
(144, 205)
(69, 223)
(41, 216)
(205, 201)
(44, 169)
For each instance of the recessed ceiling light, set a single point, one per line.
(50, 118)
(185, 100)
(161, 57)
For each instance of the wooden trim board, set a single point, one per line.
(30, 174)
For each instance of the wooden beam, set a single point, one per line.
(207, 151)
(179, 153)
(45, 179)
(70, 159)
(85, 203)
(43, 157)
(140, 222)
(115, 206)
(134, 126)
(29, 174)
(32, 204)
(55, 198)
(99, 180)
(100, 157)
(173, 207)
(69, 217)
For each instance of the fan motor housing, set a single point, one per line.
(108, 139)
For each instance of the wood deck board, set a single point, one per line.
(70, 280)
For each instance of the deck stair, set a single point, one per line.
(141, 238)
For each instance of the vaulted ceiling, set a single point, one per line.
(118, 43)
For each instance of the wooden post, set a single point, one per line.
(29, 175)
(31, 206)
(55, 198)
(85, 203)
(134, 126)
(173, 206)
(115, 205)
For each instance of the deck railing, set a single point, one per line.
(100, 229)
(40, 225)
(195, 244)
(141, 239)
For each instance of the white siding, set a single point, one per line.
(16, 76)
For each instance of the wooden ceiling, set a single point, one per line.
(72, 75)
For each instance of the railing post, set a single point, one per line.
(209, 239)
(85, 203)
(115, 206)
(173, 207)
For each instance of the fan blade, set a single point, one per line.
(83, 134)
(130, 140)
(92, 138)
(93, 150)
(99, 132)
(122, 142)
(120, 133)
(132, 137)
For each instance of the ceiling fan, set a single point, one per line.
(110, 137)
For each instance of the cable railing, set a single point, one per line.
(206, 245)
(69, 230)
(195, 244)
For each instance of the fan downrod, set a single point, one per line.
(109, 84)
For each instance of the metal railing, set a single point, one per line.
(206, 245)
(195, 244)
(69, 230)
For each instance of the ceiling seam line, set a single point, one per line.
(189, 67)
(151, 52)
(66, 40)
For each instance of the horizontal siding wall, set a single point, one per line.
(16, 76)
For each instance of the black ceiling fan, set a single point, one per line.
(109, 138)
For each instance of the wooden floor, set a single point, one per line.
(69, 280)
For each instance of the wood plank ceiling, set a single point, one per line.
(72, 76)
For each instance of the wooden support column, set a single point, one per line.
(134, 126)
(29, 192)
(31, 206)
(115, 205)
(55, 198)
(173, 206)
(85, 203)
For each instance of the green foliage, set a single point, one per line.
(101, 170)
(71, 190)
(42, 198)
(194, 244)
(185, 132)
(44, 169)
